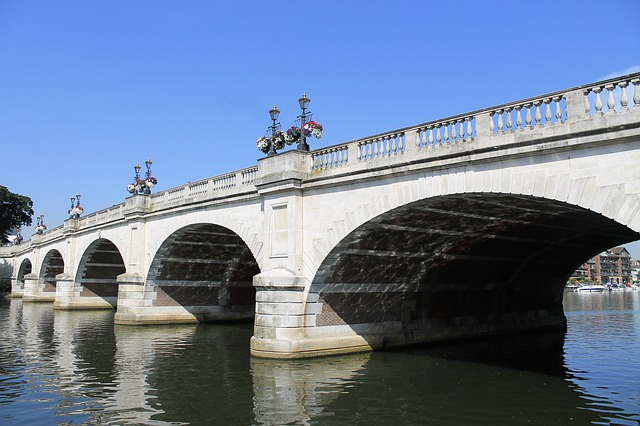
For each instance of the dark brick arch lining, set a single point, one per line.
(52, 265)
(25, 268)
(460, 256)
(204, 265)
(98, 270)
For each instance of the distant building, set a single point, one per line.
(612, 266)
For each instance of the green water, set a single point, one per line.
(76, 367)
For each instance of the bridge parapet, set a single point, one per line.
(577, 109)
(225, 185)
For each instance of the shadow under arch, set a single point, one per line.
(52, 265)
(459, 265)
(101, 263)
(17, 286)
(206, 269)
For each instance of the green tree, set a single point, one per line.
(15, 211)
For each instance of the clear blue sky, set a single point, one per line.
(90, 88)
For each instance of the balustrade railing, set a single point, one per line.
(206, 188)
(330, 157)
(622, 94)
(386, 145)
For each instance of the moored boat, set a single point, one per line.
(590, 289)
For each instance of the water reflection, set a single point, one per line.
(77, 367)
(297, 391)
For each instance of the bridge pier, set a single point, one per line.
(17, 288)
(36, 290)
(69, 297)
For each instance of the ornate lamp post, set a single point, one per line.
(142, 186)
(275, 126)
(147, 189)
(41, 227)
(136, 168)
(276, 139)
(304, 103)
(76, 210)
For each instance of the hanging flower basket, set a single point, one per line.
(292, 135)
(278, 140)
(76, 211)
(151, 182)
(40, 229)
(263, 144)
(313, 128)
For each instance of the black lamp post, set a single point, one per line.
(273, 113)
(148, 163)
(304, 103)
(136, 168)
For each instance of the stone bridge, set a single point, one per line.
(459, 227)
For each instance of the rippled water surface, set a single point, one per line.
(76, 367)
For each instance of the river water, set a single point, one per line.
(76, 367)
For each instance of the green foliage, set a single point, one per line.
(15, 211)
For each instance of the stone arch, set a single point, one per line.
(206, 269)
(17, 283)
(24, 269)
(98, 268)
(613, 201)
(247, 226)
(458, 264)
(52, 265)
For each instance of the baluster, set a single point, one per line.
(469, 129)
(527, 118)
(547, 112)
(538, 115)
(419, 137)
(463, 137)
(611, 103)
(636, 93)
(445, 136)
(491, 125)
(624, 100)
(558, 109)
(438, 137)
(509, 120)
(454, 134)
(431, 135)
(359, 151)
(500, 122)
(587, 105)
(518, 118)
(597, 91)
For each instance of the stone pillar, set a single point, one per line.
(281, 316)
(34, 290)
(134, 298)
(17, 288)
(68, 295)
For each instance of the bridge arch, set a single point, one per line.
(52, 265)
(207, 270)
(554, 182)
(470, 262)
(98, 268)
(17, 283)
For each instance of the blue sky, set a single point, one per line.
(90, 88)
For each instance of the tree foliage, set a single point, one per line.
(15, 211)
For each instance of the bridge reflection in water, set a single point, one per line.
(72, 367)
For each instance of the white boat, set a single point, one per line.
(590, 289)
